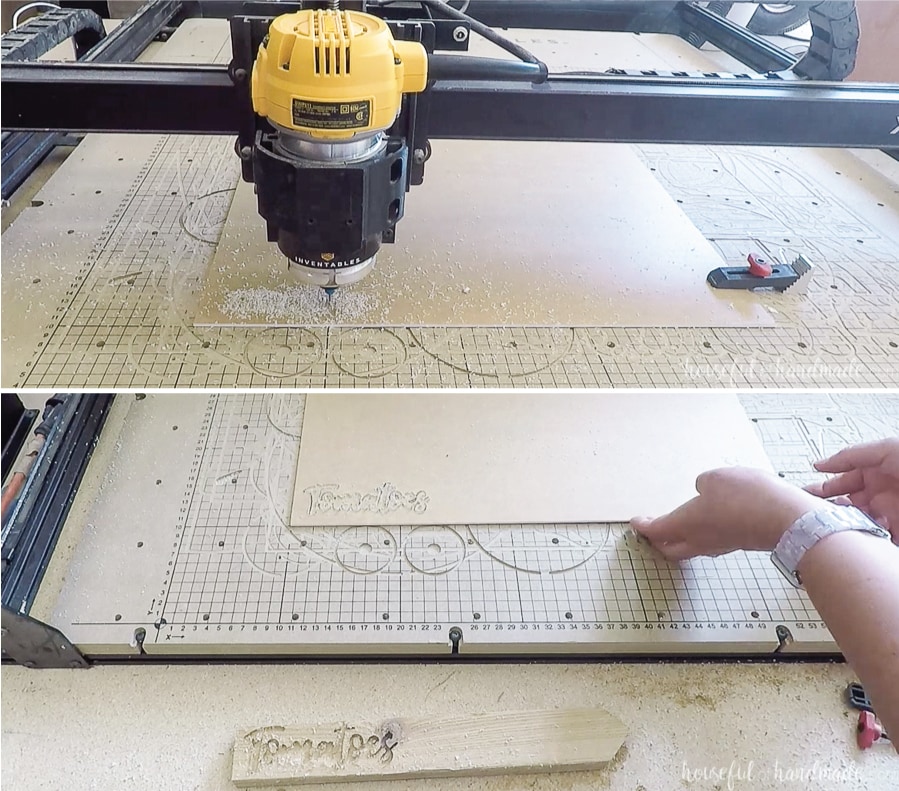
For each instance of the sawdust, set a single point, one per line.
(689, 699)
(602, 778)
(299, 305)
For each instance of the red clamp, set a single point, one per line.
(758, 266)
(869, 730)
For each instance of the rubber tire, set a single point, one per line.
(769, 23)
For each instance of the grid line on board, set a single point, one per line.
(239, 562)
(126, 319)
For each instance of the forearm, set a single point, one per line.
(852, 579)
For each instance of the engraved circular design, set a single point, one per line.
(285, 413)
(496, 351)
(541, 549)
(264, 550)
(158, 355)
(282, 352)
(434, 550)
(204, 217)
(365, 550)
(369, 352)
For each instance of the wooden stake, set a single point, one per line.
(392, 749)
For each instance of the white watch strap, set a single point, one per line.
(813, 526)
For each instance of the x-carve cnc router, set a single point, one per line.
(178, 545)
(143, 255)
(334, 104)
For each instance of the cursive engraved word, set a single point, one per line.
(384, 499)
(349, 746)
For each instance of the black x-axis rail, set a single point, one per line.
(601, 108)
(671, 110)
(120, 98)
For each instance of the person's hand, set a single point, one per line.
(737, 508)
(867, 476)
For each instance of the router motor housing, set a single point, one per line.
(330, 183)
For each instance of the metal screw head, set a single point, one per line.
(240, 75)
(246, 152)
(460, 33)
(28, 664)
(418, 156)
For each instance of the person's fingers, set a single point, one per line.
(705, 481)
(892, 527)
(867, 454)
(656, 530)
(882, 521)
(861, 500)
(844, 483)
(884, 505)
(671, 527)
(816, 488)
(677, 551)
(641, 524)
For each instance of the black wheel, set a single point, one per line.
(774, 19)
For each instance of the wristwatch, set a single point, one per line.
(810, 528)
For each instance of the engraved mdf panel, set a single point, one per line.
(474, 458)
(113, 303)
(522, 234)
(220, 570)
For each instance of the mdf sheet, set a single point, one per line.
(524, 233)
(420, 459)
(181, 529)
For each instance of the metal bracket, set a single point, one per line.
(412, 121)
(247, 33)
(32, 643)
(437, 34)
(784, 639)
(455, 636)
